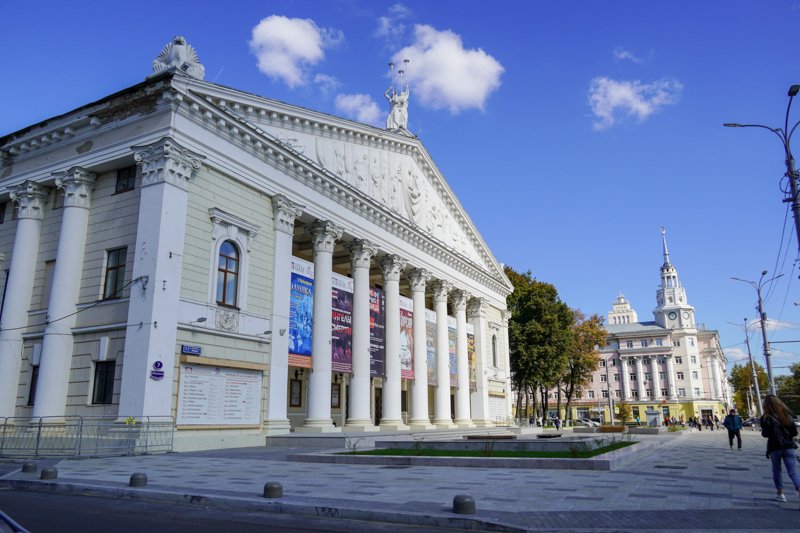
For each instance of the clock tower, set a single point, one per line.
(673, 311)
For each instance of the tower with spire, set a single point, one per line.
(673, 310)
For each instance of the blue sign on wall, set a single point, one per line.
(191, 350)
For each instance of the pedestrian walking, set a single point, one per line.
(733, 423)
(716, 421)
(777, 426)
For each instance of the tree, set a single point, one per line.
(540, 332)
(583, 357)
(788, 388)
(623, 412)
(742, 381)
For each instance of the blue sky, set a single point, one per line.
(569, 131)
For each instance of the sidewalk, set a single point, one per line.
(691, 482)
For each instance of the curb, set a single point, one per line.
(443, 519)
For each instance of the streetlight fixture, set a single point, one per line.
(752, 366)
(763, 317)
(785, 135)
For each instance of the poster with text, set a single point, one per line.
(451, 348)
(377, 332)
(301, 312)
(341, 324)
(219, 396)
(430, 344)
(406, 338)
(471, 356)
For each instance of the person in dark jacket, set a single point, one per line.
(733, 423)
(777, 426)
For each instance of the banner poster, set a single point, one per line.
(430, 344)
(301, 312)
(406, 338)
(341, 324)
(377, 332)
(451, 347)
(471, 356)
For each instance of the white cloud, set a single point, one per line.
(287, 47)
(391, 26)
(326, 83)
(609, 99)
(443, 74)
(360, 107)
(620, 54)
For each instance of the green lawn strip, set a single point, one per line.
(425, 452)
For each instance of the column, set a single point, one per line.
(420, 419)
(324, 235)
(671, 377)
(56, 362)
(506, 317)
(479, 401)
(656, 379)
(626, 379)
(392, 416)
(30, 197)
(714, 378)
(462, 360)
(361, 253)
(441, 405)
(166, 169)
(284, 213)
(640, 379)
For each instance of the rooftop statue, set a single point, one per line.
(180, 56)
(398, 103)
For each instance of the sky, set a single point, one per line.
(569, 131)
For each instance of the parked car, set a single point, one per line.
(589, 422)
(750, 422)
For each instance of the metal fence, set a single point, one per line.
(77, 436)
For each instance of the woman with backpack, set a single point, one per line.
(777, 425)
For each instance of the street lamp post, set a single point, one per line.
(785, 135)
(763, 317)
(610, 399)
(752, 367)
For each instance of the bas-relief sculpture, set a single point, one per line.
(181, 56)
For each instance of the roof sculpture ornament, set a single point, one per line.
(398, 101)
(181, 57)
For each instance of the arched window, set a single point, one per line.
(494, 351)
(228, 274)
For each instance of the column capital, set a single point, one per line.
(459, 297)
(476, 308)
(361, 253)
(30, 198)
(506, 317)
(391, 266)
(285, 212)
(166, 161)
(441, 289)
(324, 235)
(418, 277)
(77, 184)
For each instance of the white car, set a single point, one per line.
(589, 422)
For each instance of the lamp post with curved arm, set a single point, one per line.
(752, 366)
(785, 136)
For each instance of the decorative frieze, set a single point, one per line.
(77, 184)
(166, 162)
(30, 198)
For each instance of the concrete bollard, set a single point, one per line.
(273, 489)
(463, 504)
(29, 467)
(50, 472)
(138, 479)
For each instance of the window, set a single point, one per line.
(616, 377)
(648, 393)
(679, 360)
(49, 270)
(680, 375)
(579, 395)
(34, 382)
(103, 382)
(591, 379)
(629, 344)
(126, 179)
(613, 362)
(697, 391)
(644, 343)
(295, 393)
(676, 343)
(662, 376)
(691, 341)
(662, 360)
(227, 274)
(604, 393)
(664, 392)
(618, 393)
(115, 273)
(694, 374)
(494, 351)
(336, 393)
(603, 378)
(693, 360)
(635, 393)
(659, 342)
(647, 376)
(682, 393)
(602, 362)
(633, 377)
(635, 411)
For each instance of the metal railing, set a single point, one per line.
(78, 436)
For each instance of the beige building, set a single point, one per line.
(243, 266)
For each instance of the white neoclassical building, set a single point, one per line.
(242, 265)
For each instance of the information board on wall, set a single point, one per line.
(219, 396)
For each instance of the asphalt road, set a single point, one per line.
(61, 513)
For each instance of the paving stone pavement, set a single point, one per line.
(691, 482)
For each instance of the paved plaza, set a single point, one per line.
(689, 481)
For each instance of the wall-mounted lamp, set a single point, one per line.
(199, 320)
(298, 373)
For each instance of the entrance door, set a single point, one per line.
(378, 405)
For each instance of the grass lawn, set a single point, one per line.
(425, 452)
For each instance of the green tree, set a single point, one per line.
(788, 388)
(741, 380)
(540, 333)
(623, 412)
(583, 356)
